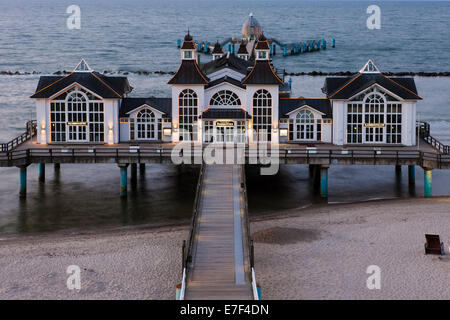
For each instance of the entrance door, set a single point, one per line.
(225, 131)
(77, 133)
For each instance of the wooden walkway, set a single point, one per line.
(220, 265)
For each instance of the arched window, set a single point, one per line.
(225, 98)
(188, 115)
(77, 116)
(304, 124)
(262, 115)
(374, 110)
(146, 125)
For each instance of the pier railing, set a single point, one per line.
(424, 133)
(188, 247)
(31, 130)
(103, 154)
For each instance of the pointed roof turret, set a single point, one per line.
(188, 43)
(217, 48)
(242, 48)
(262, 43)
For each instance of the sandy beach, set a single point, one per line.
(320, 252)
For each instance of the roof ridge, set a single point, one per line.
(401, 86)
(97, 77)
(354, 78)
(51, 84)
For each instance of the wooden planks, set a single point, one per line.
(215, 261)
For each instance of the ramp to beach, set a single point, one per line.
(220, 262)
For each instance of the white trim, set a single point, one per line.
(363, 69)
(143, 106)
(82, 61)
(71, 87)
(371, 87)
(307, 107)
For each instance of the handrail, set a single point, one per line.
(31, 131)
(189, 247)
(254, 286)
(183, 285)
(424, 133)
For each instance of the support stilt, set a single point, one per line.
(311, 170)
(133, 173)
(398, 169)
(323, 181)
(57, 166)
(123, 179)
(428, 186)
(412, 175)
(23, 181)
(41, 172)
(142, 168)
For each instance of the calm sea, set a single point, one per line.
(141, 36)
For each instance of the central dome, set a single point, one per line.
(251, 28)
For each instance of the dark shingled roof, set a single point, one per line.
(227, 61)
(242, 48)
(262, 43)
(287, 105)
(213, 113)
(225, 79)
(262, 73)
(346, 87)
(104, 86)
(162, 104)
(188, 45)
(188, 73)
(217, 48)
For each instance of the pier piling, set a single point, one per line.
(398, 170)
(412, 175)
(57, 166)
(23, 181)
(142, 168)
(123, 180)
(41, 172)
(428, 186)
(324, 181)
(133, 173)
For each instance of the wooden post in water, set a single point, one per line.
(324, 181)
(412, 175)
(23, 181)
(123, 180)
(133, 173)
(428, 185)
(41, 172)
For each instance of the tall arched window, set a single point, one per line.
(304, 124)
(188, 115)
(77, 115)
(262, 115)
(225, 98)
(146, 125)
(374, 109)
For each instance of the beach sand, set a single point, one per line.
(321, 252)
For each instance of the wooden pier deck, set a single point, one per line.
(220, 258)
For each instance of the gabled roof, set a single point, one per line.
(189, 73)
(227, 80)
(242, 48)
(161, 104)
(227, 61)
(347, 87)
(262, 73)
(287, 105)
(217, 48)
(216, 113)
(102, 85)
(262, 43)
